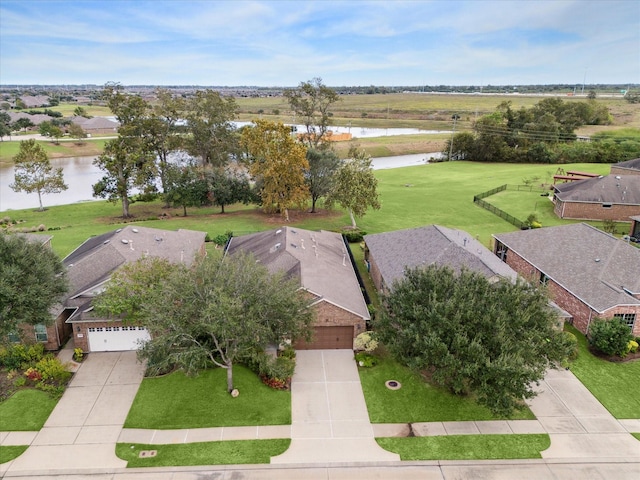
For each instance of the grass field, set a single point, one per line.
(439, 193)
(235, 452)
(9, 149)
(467, 447)
(177, 401)
(25, 410)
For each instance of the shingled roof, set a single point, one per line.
(592, 265)
(93, 262)
(632, 165)
(432, 245)
(318, 260)
(614, 189)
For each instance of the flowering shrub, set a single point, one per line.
(33, 374)
(366, 342)
(52, 371)
(632, 346)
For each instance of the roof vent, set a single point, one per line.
(105, 242)
(597, 260)
(125, 241)
(134, 230)
(118, 230)
(617, 177)
(278, 232)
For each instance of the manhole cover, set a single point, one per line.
(147, 453)
(393, 384)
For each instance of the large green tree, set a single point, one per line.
(323, 165)
(471, 335)
(185, 186)
(217, 311)
(32, 280)
(5, 125)
(355, 187)
(212, 137)
(278, 161)
(311, 102)
(127, 161)
(34, 173)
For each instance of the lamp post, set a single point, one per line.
(455, 117)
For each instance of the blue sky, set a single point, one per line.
(281, 43)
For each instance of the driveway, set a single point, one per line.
(82, 430)
(330, 422)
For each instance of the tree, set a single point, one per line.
(81, 112)
(34, 173)
(77, 132)
(56, 133)
(44, 129)
(32, 280)
(162, 131)
(323, 165)
(279, 162)
(355, 185)
(21, 123)
(311, 102)
(227, 187)
(5, 125)
(186, 186)
(217, 311)
(472, 335)
(212, 135)
(127, 160)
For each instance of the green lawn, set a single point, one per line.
(467, 447)
(8, 453)
(416, 401)
(177, 401)
(25, 410)
(614, 384)
(66, 148)
(637, 435)
(234, 452)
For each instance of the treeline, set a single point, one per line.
(544, 133)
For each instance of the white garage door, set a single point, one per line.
(114, 339)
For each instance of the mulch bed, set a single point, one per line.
(630, 357)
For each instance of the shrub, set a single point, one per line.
(33, 374)
(365, 359)
(52, 371)
(632, 346)
(274, 371)
(78, 354)
(365, 341)
(610, 337)
(288, 352)
(353, 236)
(20, 356)
(573, 341)
(223, 238)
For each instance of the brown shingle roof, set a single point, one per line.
(614, 189)
(318, 259)
(395, 251)
(594, 266)
(629, 164)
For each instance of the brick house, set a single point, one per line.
(588, 273)
(614, 197)
(634, 231)
(630, 167)
(91, 265)
(389, 254)
(322, 265)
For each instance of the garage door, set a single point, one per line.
(114, 339)
(328, 338)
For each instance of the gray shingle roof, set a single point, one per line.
(319, 260)
(618, 189)
(629, 164)
(594, 266)
(433, 245)
(97, 258)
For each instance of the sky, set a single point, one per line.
(346, 43)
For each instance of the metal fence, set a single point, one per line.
(477, 199)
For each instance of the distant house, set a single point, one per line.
(319, 261)
(34, 101)
(630, 167)
(36, 119)
(614, 197)
(91, 265)
(588, 273)
(96, 124)
(389, 254)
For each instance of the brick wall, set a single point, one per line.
(329, 315)
(595, 211)
(374, 271)
(628, 309)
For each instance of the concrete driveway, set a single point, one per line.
(330, 422)
(82, 430)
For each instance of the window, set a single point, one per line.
(13, 337)
(606, 205)
(628, 318)
(501, 251)
(41, 333)
(543, 279)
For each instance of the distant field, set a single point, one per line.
(94, 110)
(8, 149)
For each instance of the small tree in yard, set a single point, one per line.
(355, 185)
(492, 340)
(610, 336)
(218, 311)
(34, 173)
(77, 132)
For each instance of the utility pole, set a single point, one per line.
(455, 117)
